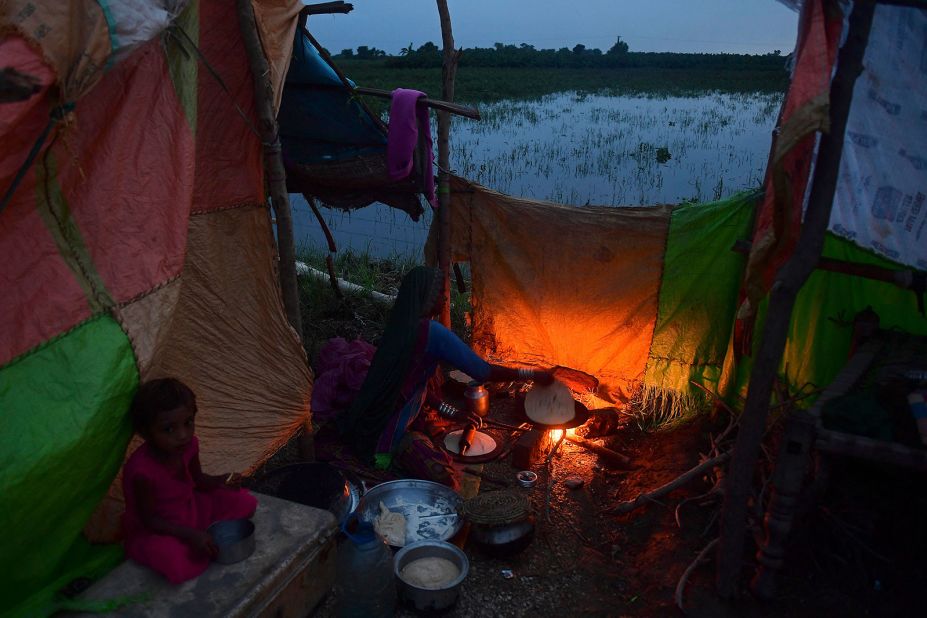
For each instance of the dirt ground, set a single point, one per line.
(583, 562)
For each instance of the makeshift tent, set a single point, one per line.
(136, 243)
(334, 148)
(643, 299)
(866, 186)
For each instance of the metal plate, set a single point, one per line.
(473, 459)
(430, 508)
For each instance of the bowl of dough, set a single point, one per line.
(430, 574)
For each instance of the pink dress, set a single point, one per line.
(179, 502)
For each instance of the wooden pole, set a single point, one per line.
(789, 281)
(273, 162)
(461, 110)
(448, 72)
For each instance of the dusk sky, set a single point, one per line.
(734, 26)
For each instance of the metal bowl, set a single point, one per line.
(430, 599)
(430, 508)
(234, 538)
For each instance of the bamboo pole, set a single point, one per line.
(789, 281)
(461, 110)
(273, 162)
(448, 72)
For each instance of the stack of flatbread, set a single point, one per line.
(550, 405)
(391, 526)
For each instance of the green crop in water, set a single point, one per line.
(488, 84)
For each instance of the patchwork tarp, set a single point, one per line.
(644, 299)
(138, 244)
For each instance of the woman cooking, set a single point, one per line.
(392, 416)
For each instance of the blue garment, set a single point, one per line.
(444, 345)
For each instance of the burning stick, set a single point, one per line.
(627, 507)
(550, 477)
(607, 453)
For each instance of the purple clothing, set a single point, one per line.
(406, 119)
(340, 372)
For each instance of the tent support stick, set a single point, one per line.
(448, 72)
(789, 281)
(273, 162)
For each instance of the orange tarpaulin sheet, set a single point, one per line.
(561, 285)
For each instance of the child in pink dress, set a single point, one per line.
(169, 500)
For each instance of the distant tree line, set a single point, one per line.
(580, 56)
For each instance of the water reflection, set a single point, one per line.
(584, 149)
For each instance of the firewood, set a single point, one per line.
(607, 453)
(627, 507)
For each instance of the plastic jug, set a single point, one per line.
(364, 579)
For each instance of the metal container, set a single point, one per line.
(503, 539)
(477, 398)
(234, 538)
(526, 478)
(430, 508)
(425, 599)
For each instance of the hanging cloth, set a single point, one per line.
(406, 119)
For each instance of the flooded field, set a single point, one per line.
(583, 149)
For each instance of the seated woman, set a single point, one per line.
(388, 423)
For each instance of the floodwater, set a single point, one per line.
(582, 149)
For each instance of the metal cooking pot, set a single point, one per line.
(503, 539)
(431, 599)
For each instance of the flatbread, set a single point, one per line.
(482, 443)
(430, 573)
(391, 526)
(550, 405)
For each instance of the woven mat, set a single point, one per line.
(496, 508)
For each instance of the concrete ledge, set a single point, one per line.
(291, 569)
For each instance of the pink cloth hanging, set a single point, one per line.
(406, 118)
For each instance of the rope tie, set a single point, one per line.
(56, 115)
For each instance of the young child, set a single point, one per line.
(169, 500)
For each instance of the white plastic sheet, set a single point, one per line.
(881, 191)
